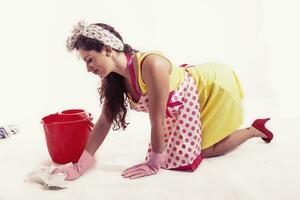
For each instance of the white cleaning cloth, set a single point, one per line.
(44, 177)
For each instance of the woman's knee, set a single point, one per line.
(215, 149)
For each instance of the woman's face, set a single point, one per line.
(97, 62)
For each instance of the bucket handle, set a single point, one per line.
(90, 123)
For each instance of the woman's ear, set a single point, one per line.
(108, 50)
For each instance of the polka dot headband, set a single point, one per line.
(94, 32)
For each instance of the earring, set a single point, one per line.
(108, 54)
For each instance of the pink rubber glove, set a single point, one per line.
(85, 162)
(145, 169)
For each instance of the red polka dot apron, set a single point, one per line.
(182, 129)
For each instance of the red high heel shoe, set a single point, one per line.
(259, 124)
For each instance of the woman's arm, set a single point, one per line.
(155, 73)
(98, 133)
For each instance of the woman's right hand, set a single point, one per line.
(72, 172)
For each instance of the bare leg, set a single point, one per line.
(230, 142)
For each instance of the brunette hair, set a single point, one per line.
(112, 91)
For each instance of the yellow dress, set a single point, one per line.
(219, 92)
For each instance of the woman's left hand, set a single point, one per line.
(139, 171)
(145, 169)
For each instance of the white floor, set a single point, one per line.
(254, 170)
(260, 38)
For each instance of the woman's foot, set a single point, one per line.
(261, 130)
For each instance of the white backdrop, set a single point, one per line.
(258, 38)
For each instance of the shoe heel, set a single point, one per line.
(259, 124)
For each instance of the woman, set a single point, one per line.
(194, 110)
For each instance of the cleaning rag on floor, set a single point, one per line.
(49, 181)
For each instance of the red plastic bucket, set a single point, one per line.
(66, 134)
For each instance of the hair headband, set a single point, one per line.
(94, 32)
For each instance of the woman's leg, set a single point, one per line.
(230, 142)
